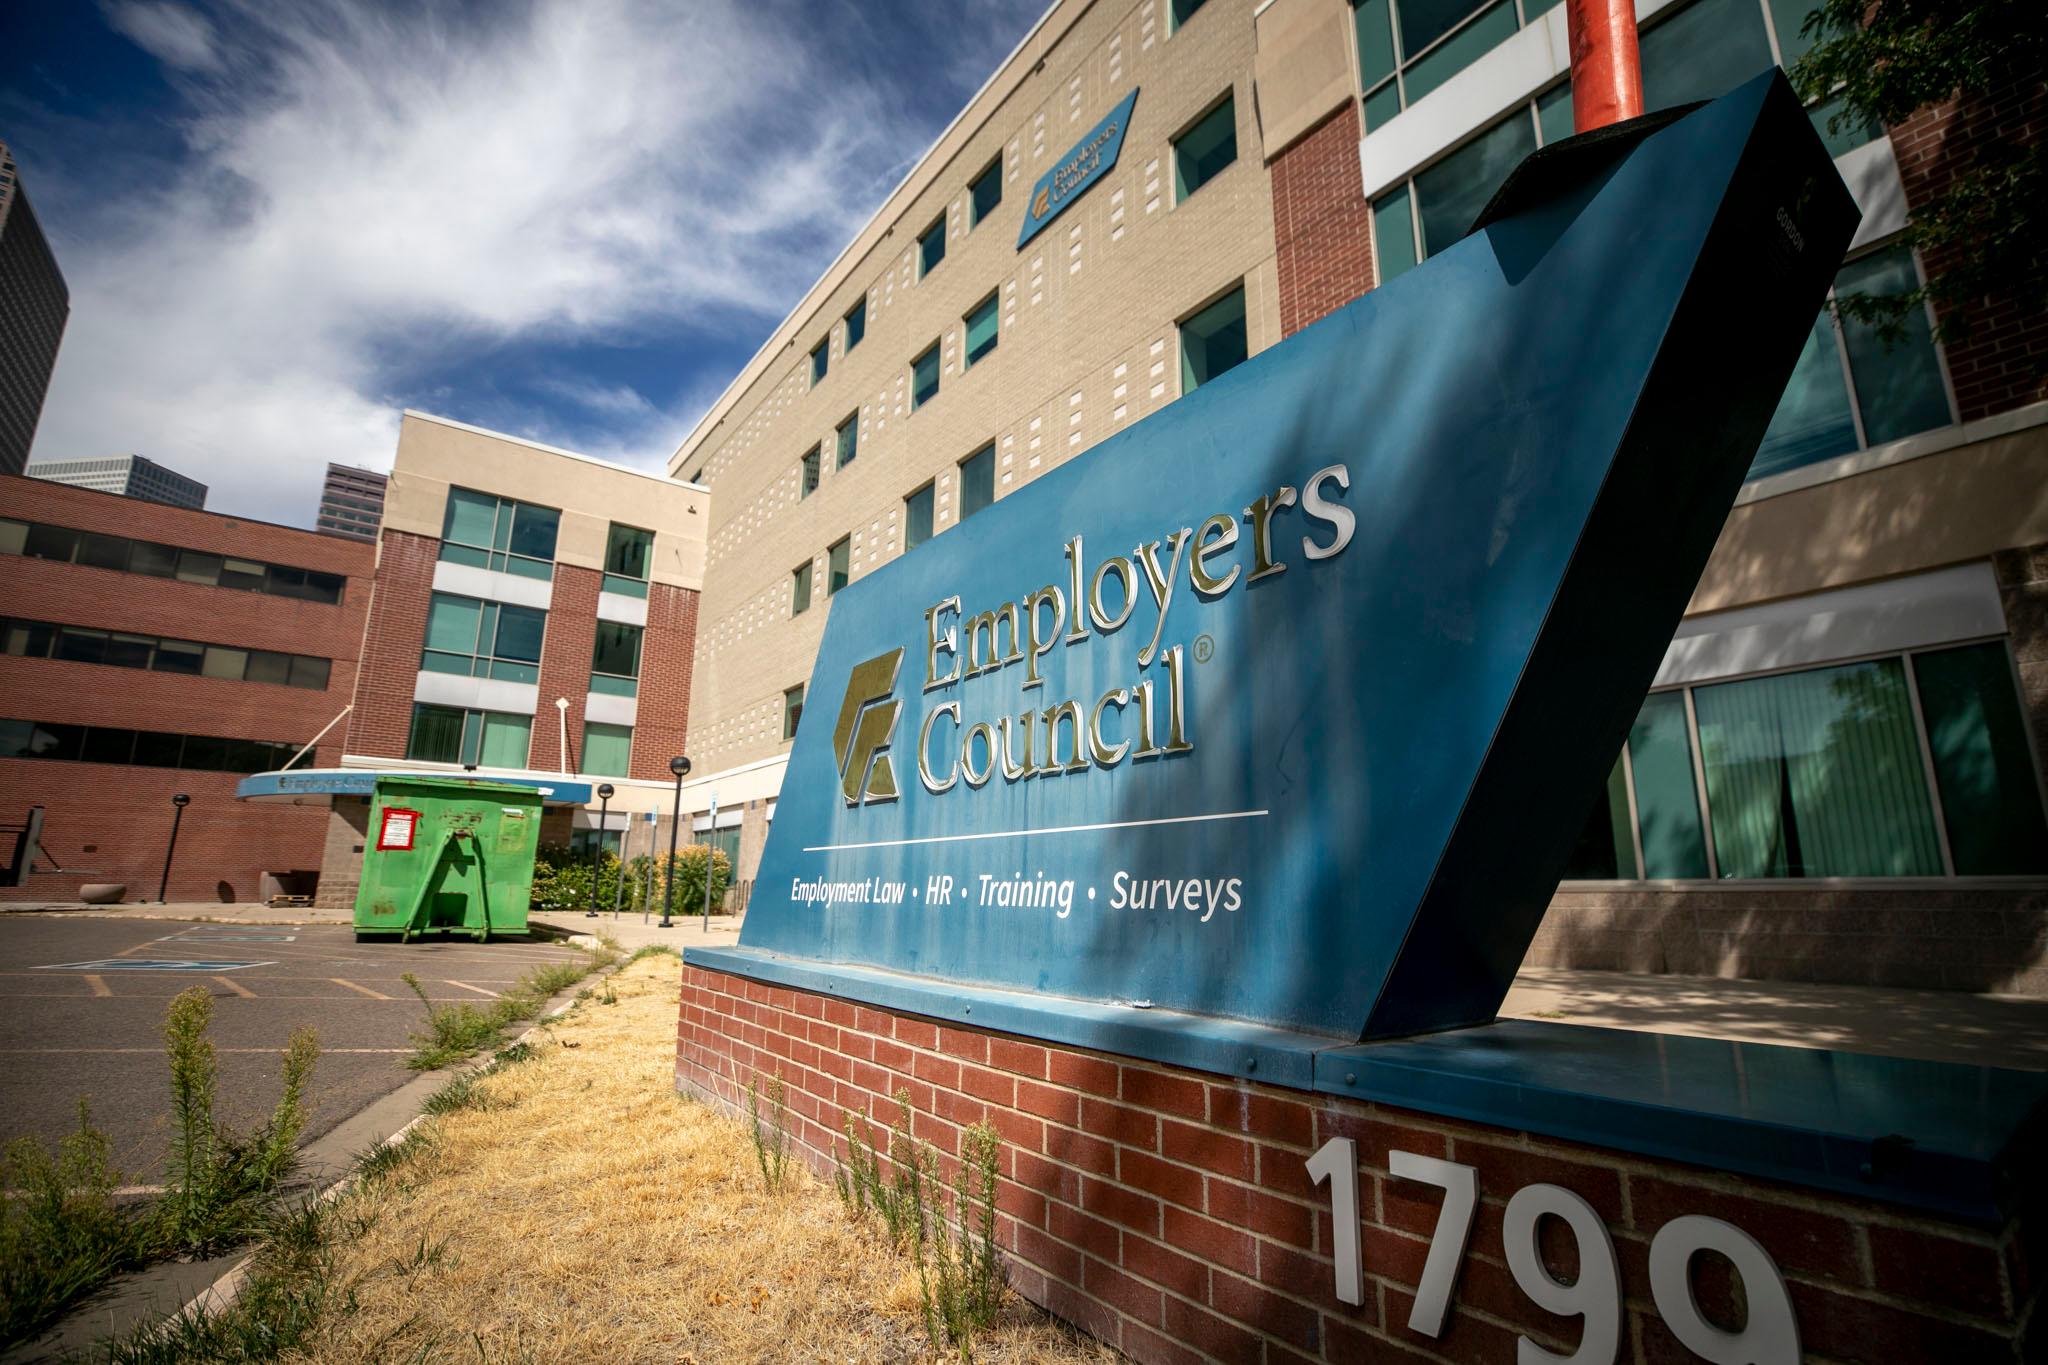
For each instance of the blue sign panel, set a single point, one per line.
(1286, 704)
(1084, 163)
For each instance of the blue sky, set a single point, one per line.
(573, 220)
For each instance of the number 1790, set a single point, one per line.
(1769, 1337)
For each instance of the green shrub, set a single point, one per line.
(61, 1234)
(561, 880)
(688, 891)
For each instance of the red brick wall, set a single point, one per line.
(565, 667)
(108, 822)
(397, 629)
(1170, 1214)
(662, 722)
(2004, 362)
(1322, 226)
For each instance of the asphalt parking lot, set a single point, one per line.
(82, 1009)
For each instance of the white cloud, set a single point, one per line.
(369, 195)
(174, 35)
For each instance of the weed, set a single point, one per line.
(463, 1092)
(459, 1030)
(222, 1183)
(653, 950)
(897, 1200)
(771, 1141)
(959, 1278)
(61, 1235)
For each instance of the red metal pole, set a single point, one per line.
(1607, 71)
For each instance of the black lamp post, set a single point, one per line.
(604, 804)
(178, 804)
(680, 766)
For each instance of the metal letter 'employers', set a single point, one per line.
(1287, 703)
(1084, 163)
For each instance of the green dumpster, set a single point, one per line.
(447, 856)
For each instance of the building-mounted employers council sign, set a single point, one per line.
(1081, 166)
(1286, 704)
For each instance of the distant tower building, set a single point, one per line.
(33, 307)
(352, 503)
(131, 476)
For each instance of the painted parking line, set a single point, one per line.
(148, 964)
(98, 984)
(478, 989)
(360, 990)
(227, 938)
(236, 987)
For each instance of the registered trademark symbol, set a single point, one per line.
(1205, 649)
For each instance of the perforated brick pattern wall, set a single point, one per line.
(1171, 1215)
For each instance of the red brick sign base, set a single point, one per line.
(1171, 1214)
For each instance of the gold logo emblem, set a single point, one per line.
(867, 721)
(1042, 202)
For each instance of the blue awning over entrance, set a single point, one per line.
(315, 785)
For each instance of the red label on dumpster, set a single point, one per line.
(397, 829)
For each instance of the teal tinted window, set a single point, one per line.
(1606, 849)
(1667, 799)
(1817, 774)
(1898, 385)
(821, 359)
(838, 566)
(615, 659)
(505, 740)
(471, 518)
(489, 532)
(856, 324)
(810, 473)
(1554, 113)
(1202, 152)
(849, 440)
(1788, 17)
(1183, 10)
(453, 627)
(917, 518)
(1493, 26)
(931, 247)
(1705, 50)
(924, 378)
(1852, 133)
(978, 480)
(1451, 193)
(607, 749)
(628, 551)
(985, 193)
(1983, 766)
(800, 590)
(981, 329)
(1372, 26)
(519, 633)
(792, 710)
(1813, 421)
(436, 734)
(1212, 341)
(1382, 104)
(1393, 234)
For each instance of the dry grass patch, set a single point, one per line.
(577, 1209)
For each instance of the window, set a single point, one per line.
(1436, 208)
(924, 378)
(1850, 389)
(1213, 341)
(1180, 11)
(1202, 152)
(792, 710)
(1823, 772)
(809, 484)
(483, 639)
(615, 660)
(607, 750)
(141, 748)
(628, 556)
(78, 644)
(931, 247)
(489, 532)
(451, 734)
(821, 359)
(34, 540)
(856, 324)
(800, 589)
(985, 194)
(583, 841)
(978, 480)
(981, 329)
(917, 518)
(838, 561)
(849, 440)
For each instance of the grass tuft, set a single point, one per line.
(460, 1030)
(61, 1234)
(771, 1140)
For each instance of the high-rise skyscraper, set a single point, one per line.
(351, 502)
(132, 476)
(34, 304)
